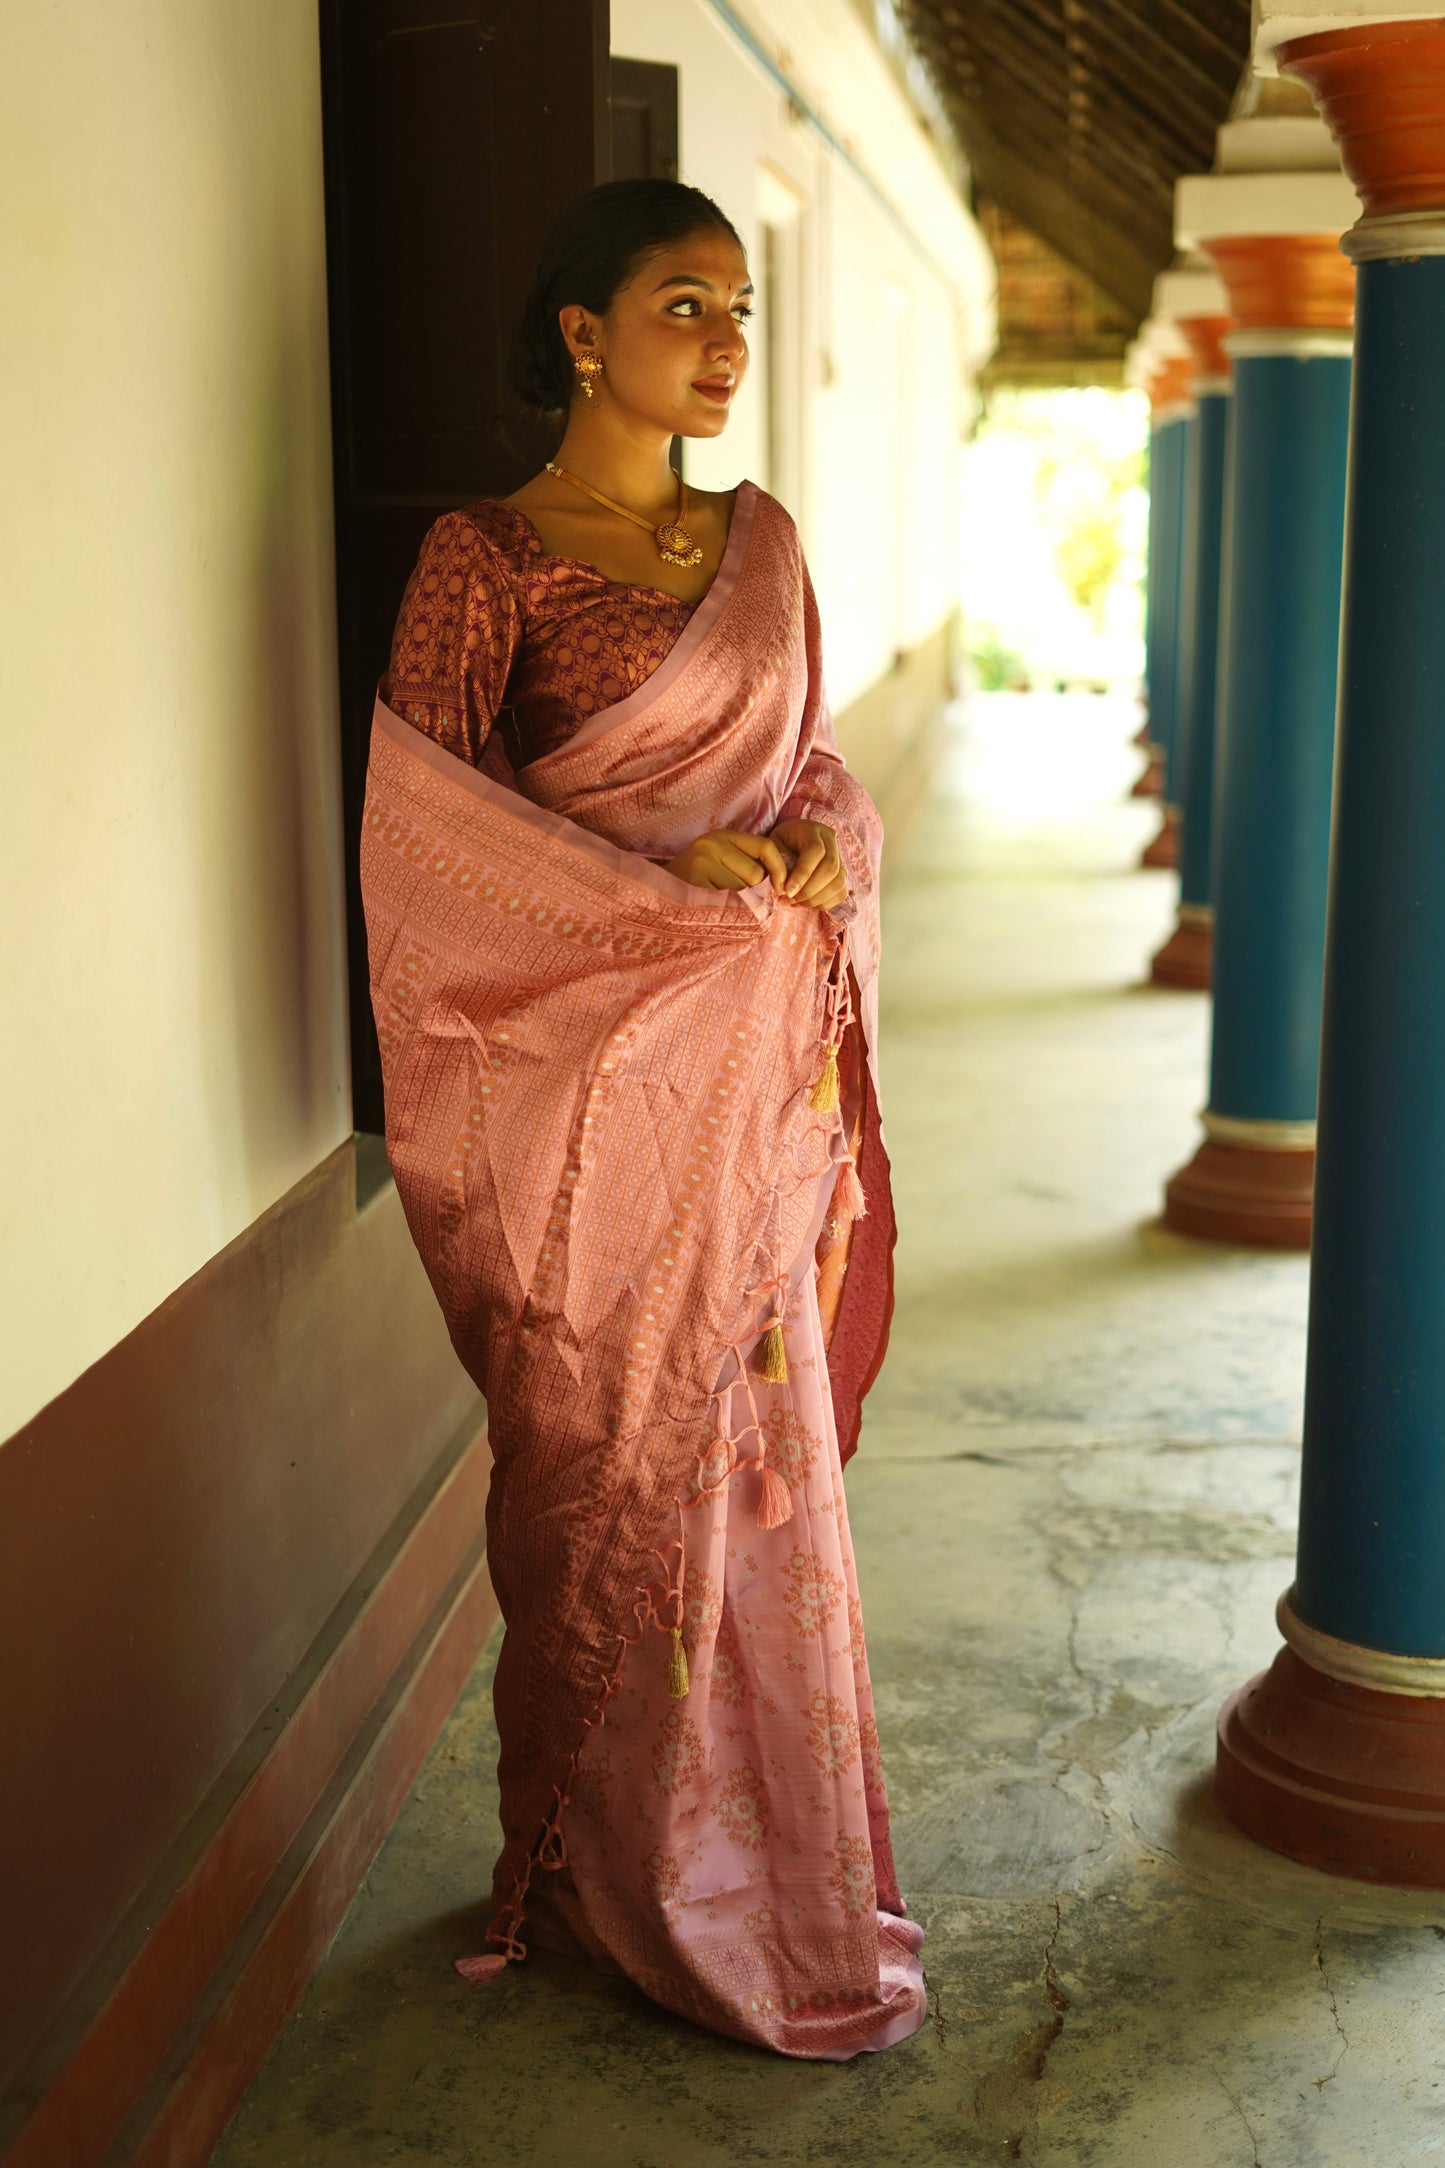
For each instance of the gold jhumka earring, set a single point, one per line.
(587, 367)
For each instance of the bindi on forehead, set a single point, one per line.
(702, 285)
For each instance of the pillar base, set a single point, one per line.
(1187, 957)
(1338, 1776)
(1163, 852)
(1247, 1194)
(1151, 783)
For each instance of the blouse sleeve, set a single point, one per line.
(456, 634)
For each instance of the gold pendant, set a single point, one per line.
(675, 545)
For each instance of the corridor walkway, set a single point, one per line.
(1073, 1510)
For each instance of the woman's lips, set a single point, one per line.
(718, 393)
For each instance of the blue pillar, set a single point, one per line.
(1372, 1517)
(1188, 600)
(1184, 958)
(1251, 1180)
(1151, 588)
(1276, 756)
(1170, 513)
(1166, 496)
(1336, 1754)
(1200, 690)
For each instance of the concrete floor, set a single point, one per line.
(1073, 1510)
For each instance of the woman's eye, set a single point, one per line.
(689, 304)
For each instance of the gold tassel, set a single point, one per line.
(677, 1679)
(775, 1356)
(824, 1099)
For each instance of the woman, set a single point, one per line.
(621, 902)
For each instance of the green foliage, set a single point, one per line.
(999, 668)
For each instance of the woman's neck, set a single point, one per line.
(631, 465)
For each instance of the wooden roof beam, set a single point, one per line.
(1111, 154)
(1120, 253)
(1173, 59)
(1176, 154)
(999, 48)
(1111, 23)
(1192, 19)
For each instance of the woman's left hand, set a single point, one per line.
(819, 875)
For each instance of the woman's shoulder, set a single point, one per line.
(469, 572)
(772, 509)
(782, 527)
(487, 539)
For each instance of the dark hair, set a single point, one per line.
(593, 250)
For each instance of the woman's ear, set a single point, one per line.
(579, 329)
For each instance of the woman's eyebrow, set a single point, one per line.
(686, 279)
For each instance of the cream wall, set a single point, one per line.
(895, 303)
(170, 886)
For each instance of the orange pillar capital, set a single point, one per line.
(1170, 386)
(1381, 90)
(1285, 282)
(1207, 336)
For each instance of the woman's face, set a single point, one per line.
(672, 344)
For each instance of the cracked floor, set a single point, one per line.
(1074, 1511)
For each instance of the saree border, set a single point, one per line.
(726, 583)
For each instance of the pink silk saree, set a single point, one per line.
(626, 1117)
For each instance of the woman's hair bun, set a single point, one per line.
(539, 367)
(592, 251)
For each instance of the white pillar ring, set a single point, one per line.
(1315, 344)
(1401, 234)
(1259, 1136)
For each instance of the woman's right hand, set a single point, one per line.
(730, 858)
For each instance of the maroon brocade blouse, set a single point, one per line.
(493, 630)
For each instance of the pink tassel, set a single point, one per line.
(848, 1193)
(776, 1505)
(481, 1969)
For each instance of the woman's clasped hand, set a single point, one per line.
(801, 858)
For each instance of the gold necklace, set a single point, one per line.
(675, 545)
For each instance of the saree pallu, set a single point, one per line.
(628, 1118)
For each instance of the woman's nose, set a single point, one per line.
(727, 341)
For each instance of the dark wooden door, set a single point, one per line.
(455, 132)
(645, 138)
(644, 120)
